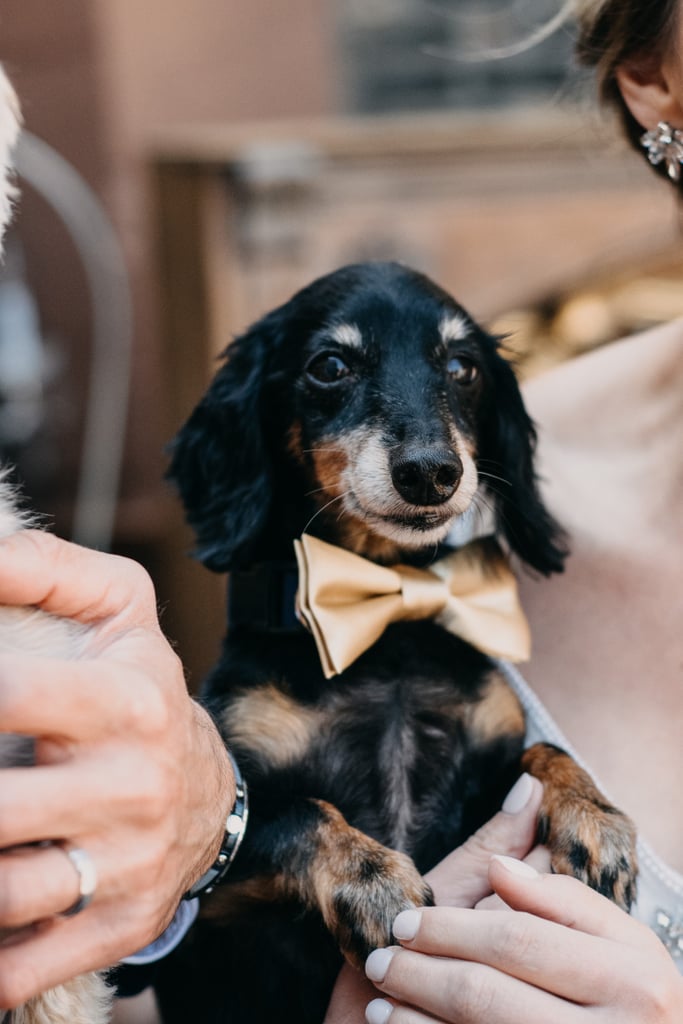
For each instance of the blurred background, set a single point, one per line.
(189, 163)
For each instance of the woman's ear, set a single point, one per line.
(652, 89)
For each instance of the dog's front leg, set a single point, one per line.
(312, 854)
(358, 884)
(587, 836)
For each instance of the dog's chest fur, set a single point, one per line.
(413, 746)
(415, 743)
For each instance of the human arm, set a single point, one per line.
(460, 880)
(129, 768)
(565, 954)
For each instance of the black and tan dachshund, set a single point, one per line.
(372, 412)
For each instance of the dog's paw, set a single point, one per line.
(360, 904)
(359, 885)
(594, 843)
(587, 836)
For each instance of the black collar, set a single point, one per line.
(263, 597)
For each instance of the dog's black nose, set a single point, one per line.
(426, 476)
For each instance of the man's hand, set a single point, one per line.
(129, 768)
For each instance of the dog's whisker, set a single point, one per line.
(491, 487)
(499, 509)
(313, 451)
(434, 555)
(500, 514)
(315, 490)
(339, 497)
(478, 500)
(488, 473)
(482, 507)
(492, 476)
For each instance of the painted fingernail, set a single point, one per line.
(406, 924)
(516, 867)
(378, 1011)
(519, 795)
(377, 964)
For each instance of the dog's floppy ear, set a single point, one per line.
(219, 461)
(508, 455)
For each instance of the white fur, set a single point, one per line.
(348, 334)
(368, 491)
(454, 328)
(88, 999)
(85, 1000)
(27, 629)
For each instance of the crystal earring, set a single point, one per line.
(665, 144)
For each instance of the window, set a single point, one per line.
(411, 55)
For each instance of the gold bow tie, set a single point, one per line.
(347, 601)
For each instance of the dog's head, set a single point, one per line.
(371, 410)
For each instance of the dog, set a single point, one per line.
(372, 413)
(87, 999)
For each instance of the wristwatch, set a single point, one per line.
(235, 827)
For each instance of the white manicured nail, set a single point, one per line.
(519, 795)
(516, 867)
(377, 964)
(406, 924)
(378, 1011)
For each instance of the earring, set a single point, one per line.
(665, 143)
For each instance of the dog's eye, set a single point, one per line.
(463, 371)
(328, 368)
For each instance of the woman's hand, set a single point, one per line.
(460, 880)
(129, 768)
(566, 955)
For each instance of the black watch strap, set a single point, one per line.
(235, 828)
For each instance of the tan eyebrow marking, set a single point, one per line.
(348, 334)
(454, 328)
